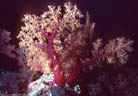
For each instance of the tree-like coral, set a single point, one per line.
(5, 46)
(55, 40)
(58, 42)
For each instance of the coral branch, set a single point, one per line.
(60, 44)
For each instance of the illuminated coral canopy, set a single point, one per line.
(57, 42)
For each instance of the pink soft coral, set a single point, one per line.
(58, 43)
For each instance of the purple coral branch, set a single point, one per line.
(49, 47)
(92, 60)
